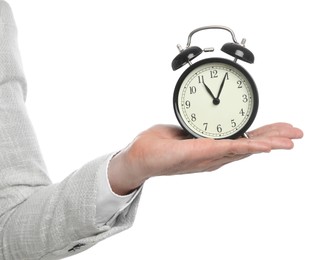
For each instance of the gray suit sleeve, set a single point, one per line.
(38, 219)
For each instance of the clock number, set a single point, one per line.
(187, 103)
(205, 126)
(239, 83)
(214, 74)
(244, 98)
(233, 124)
(192, 90)
(200, 79)
(241, 112)
(219, 129)
(193, 117)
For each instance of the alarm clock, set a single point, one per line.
(215, 97)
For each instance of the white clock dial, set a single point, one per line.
(216, 100)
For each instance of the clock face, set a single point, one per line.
(215, 98)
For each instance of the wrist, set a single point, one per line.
(123, 178)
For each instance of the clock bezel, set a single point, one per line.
(248, 77)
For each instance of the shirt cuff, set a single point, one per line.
(108, 202)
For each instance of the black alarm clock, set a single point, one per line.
(215, 97)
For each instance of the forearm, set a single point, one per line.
(56, 218)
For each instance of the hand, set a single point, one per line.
(167, 150)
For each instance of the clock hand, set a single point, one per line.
(221, 86)
(208, 90)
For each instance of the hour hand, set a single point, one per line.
(208, 90)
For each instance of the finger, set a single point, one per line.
(245, 146)
(262, 144)
(276, 142)
(277, 130)
(280, 143)
(221, 148)
(267, 129)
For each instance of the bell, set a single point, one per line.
(185, 56)
(238, 51)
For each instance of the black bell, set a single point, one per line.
(238, 51)
(185, 56)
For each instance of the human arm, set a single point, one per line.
(51, 221)
(38, 219)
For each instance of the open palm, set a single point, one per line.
(167, 150)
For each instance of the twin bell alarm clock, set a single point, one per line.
(215, 97)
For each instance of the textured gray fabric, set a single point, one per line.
(38, 219)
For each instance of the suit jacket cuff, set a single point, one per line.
(109, 203)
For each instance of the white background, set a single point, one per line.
(99, 72)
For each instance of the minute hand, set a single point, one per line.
(222, 85)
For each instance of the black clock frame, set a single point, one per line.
(224, 61)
